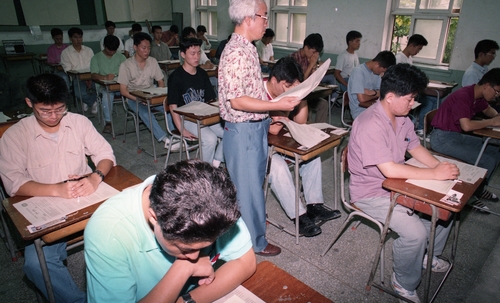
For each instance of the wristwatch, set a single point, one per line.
(100, 174)
(187, 298)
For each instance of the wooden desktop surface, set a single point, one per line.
(153, 99)
(111, 86)
(443, 91)
(274, 285)
(80, 75)
(289, 147)
(487, 132)
(18, 57)
(118, 177)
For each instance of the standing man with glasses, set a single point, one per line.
(484, 53)
(38, 154)
(244, 107)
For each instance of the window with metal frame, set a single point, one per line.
(436, 20)
(206, 14)
(288, 20)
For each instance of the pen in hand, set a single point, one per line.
(75, 179)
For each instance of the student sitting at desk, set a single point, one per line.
(54, 51)
(37, 154)
(364, 83)
(286, 73)
(454, 118)
(159, 49)
(158, 242)
(129, 44)
(105, 66)
(348, 59)
(205, 63)
(110, 31)
(201, 30)
(265, 49)
(190, 83)
(380, 137)
(171, 36)
(77, 57)
(308, 59)
(484, 54)
(138, 72)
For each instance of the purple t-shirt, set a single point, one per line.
(54, 53)
(373, 141)
(460, 104)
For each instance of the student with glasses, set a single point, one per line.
(485, 53)
(40, 152)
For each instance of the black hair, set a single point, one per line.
(111, 42)
(201, 28)
(187, 31)
(269, 33)
(287, 69)
(174, 28)
(187, 43)
(155, 27)
(141, 36)
(403, 79)
(485, 46)
(314, 41)
(194, 202)
(417, 40)
(492, 77)
(385, 59)
(75, 30)
(56, 31)
(136, 27)
(352, 35)
(48, 89)
(109, 24)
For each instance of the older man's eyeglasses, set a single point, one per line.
(48, 113)
(266, 18)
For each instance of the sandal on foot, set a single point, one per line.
(480, 206)
(488, 195)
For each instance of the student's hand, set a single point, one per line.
(496, 120)
(201, 268)
(110, 76)
(446, 171)
(188, 135)
(85, 186)
(314, 58)
(287, 103)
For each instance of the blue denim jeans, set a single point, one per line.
(107, 111)
(158, 132)
(282, 183)
(210, 135)
(65, 289)
(88, 97)
(428, 103)
(408, 249)
(465, 148)
(245, 152)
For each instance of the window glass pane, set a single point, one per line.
(281, 29)
(212, 2)
(406, 3)
(400, 32)
(213, 24)
(300, 3)
(282, 2)
(434, 4)
(203, 2)
(203, 18)
(457, 3)
(431, 30)
(298, 28)
(450, 39)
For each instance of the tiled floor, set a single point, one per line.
(342, 274)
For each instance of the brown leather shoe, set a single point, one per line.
(107, 128)
(269, 251)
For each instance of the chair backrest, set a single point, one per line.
(428, 126)
(344, 168)
(345, 107)
(166, 107)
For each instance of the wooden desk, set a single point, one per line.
(19, 57)
(489, 134)
(167, 65)
(118, 177)
(111, 86)
(13, 119)
(425, 201)
(77, 76)
(274, 285)
(149, 100)
(200, 121)
(439, 92)
(322, 91)
(288, 146)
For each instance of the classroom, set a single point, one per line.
(342, 273)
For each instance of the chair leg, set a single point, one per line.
(341, 229)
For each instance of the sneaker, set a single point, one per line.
(438, 265)
(318, 213)
(176, 146)
(85, 107)
(420, 133)
(480, 206)
(307, 228)
(107, 128)
(410, 295)
(488, 195)
(94, 108)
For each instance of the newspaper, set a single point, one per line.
(306, 135)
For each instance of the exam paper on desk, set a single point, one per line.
(468, 173)
(40, 210)
(155, 90)
(199, 108)
(306, 135)
(240, 295)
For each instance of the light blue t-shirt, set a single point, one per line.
(124, 260)
(361, 78)
(473, 74)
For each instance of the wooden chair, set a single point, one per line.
(353, 211)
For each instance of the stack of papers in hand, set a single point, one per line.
(199, 108)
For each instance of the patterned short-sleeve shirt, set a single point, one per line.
(240, 75)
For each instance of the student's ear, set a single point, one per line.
(152, 216)
(183, 55)
(28, 101)
(389, 97)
